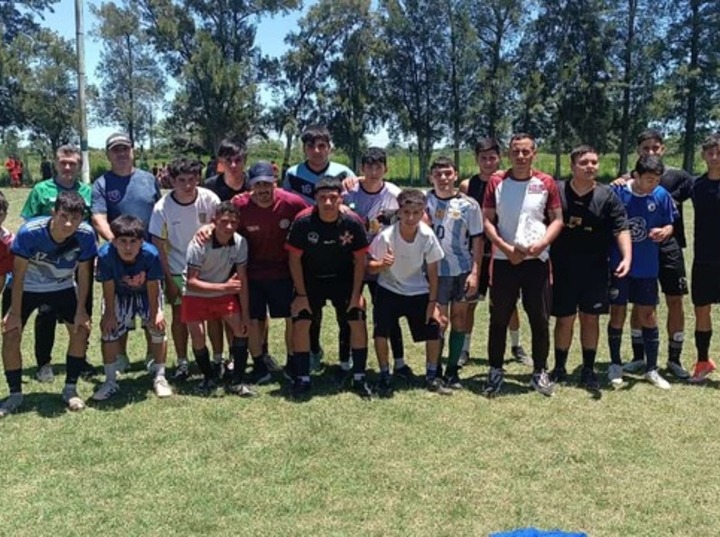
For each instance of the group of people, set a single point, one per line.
(15, 170)
(229, 255)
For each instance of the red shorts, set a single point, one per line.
(200, 308)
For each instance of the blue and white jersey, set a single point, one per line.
(130, 278)
(455, 221)
(376, 209)
(52, 264)
(644, 212)
(301, 180)
(135, 195)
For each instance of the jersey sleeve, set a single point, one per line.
(553, 202)
(154, 270)
(88, 246)
(31, 209)
(103, 268)
(360, 242)
(433, 250)
(616, 213)
(489, 201)
(99, 203)
(195, 254)
(6, 256)
(241, 251)
(297, 237)
(475, 220)
(379, 246)
(670, 214)
(23, 244)
(157, 222)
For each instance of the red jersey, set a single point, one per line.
(266, 229)
(6, 256)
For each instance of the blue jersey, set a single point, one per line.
(52, 264)
(644, 212)
(135, 195)
(130, 278)
(301, 180)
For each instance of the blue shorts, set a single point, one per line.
(641, 291)
(452, 289)
(127, 307)
(273, 296)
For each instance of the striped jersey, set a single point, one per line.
(301, 180)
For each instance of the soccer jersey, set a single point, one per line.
(476, 190)
(679, 184)
(706, 201)
(266, 229)
(225, 192)
(6, 256)
(455, 221)
(215, 262)
(302, 180)
(135, 195)
(41, 200)
(515, 201)
(591, 223)
(376, 209)
(406, 276)
(327, 248)
(130, 278)
(51, 264)
(177, 223)
(644, 212)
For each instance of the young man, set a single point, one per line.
(487, 157)
(516, 207)
(231, 180)
(214, 292)
(594, 218)
(175, 220)
(130, 272)
(399, 254)
(651, 213)
(47, 252)
(706, 264)
(375, 201)
(327, 262)
(456, 220)
(40, 202)
(265, 215)
(6, 257)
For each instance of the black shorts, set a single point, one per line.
(672, 275)
(705, 284)
(63, 304)
(484, 280)
(272, 296)
(389, 307)
(582, 287)
(321, 290)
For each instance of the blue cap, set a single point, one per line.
(261, 171)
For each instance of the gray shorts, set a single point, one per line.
(452, 289)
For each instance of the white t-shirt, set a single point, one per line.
(177, 223)
(406, 276)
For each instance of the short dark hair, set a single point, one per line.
(711, 141)
(580, 150)
(127, 225)
(411, 196)
(227, 207)
(649, 134)
(4, 203)
(487, 144)
(67, 150)
(443, 162)
(184, 165)
(328, 182)
(522, 136)
(649, 164)
(312, 133)
(373, 155)
(233, 146)
(70, 202)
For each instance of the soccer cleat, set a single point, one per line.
(259, 376)
(45, 374)
(241, 390)
(615, 375)
(182, 372)
(702, 371)
(271, 363)
(520, 355)
(453, 382)
(316, 363)
(162, 387)
(288, 373)
(541, 383)
(362, 389)
(464, 358)
(228, 368)
(88, 371)
(654, 378)
(405, 373)
(558, 375)
(149, 363)
(301, 389)
(106, 390)
(634, 366)
(436, 385)
(589, 380)
(385, 387)
(217, 369)
(343, 377)
(493, 385)
(207, 387)
(678, 371)
(72, 399)
(11, 404)
(122, 363)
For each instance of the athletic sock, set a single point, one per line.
(159, 370)
(301, 362)
(614, 341)
(359, 359)
(514, 338)
(399, 363)
(202, 357)
(259, 365)
(588, 357)
(430, 371)
(239, 353)
(675, 347)
(73, 368)
(14, 380)
(638, 346)
(217, 358)
(265, 347)
(651, 338)
(466, 342)
(111, 372)
(702, 344)
(560, 358)
(455, 348)
(384, 371)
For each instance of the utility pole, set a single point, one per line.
(80, 44)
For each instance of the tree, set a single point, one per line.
(132, 82)
(18, 17)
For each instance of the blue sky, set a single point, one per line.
(269, 39)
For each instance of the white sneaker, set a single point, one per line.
(122, 363)
(106, 390)
(634, 366)
(11, 404)
(161, 387)
(678, 370)
(654, 378)
(615, 372)
(72, 399)
(45, 374)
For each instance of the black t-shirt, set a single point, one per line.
(328, 247)
(217, 184)
(591, 223)
(706, 200)
(46, 169)
(476, 190)
(679, 184)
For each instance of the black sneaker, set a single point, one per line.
(494, 382)
(464, 358)
(88, 370)
(259, 376)
(288, 374)
(559, 374)
(541, 383)
(343, 377)
(384, 387)
(362, 389)
(521, 356)
(300, 389)
(207, 387)
(436, 385)
(453, 382)
(182, 372)
(228, 367)
(589, 380)
(405, 373)
(241, 390)
(218, 369)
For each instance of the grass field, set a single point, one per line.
(633, 462)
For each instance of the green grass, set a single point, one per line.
(638, 461)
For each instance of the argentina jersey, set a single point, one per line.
(455, 222)
(301, 180)
(376, 209)
(52, 265)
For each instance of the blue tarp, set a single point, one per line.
(533, 532)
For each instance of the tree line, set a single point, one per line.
(431, 71)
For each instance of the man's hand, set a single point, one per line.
(299, 304)
(471, 284)
(536, 249)
(433, 313)
(159, 321)
(82, 320)
(11, 322)
(233, 285)
(515, 256)
(349, 183)
(660, 234)
(204, 234)
(389, 259)
(622, 269)
(356, 302)
(620, 181)
(108, 323)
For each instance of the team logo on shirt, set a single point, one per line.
(536, 188)
(574, 221)
(454, 214)
(313, 238)
(134, 282)
(651, 206)
(638, 228)
(439, 213)
(114, 196)
(202, 217)
(284, 223)
(346, 238)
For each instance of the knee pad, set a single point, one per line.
(355, 314)
(304, 315)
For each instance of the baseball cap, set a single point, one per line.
(116, 139)
(261, 171)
